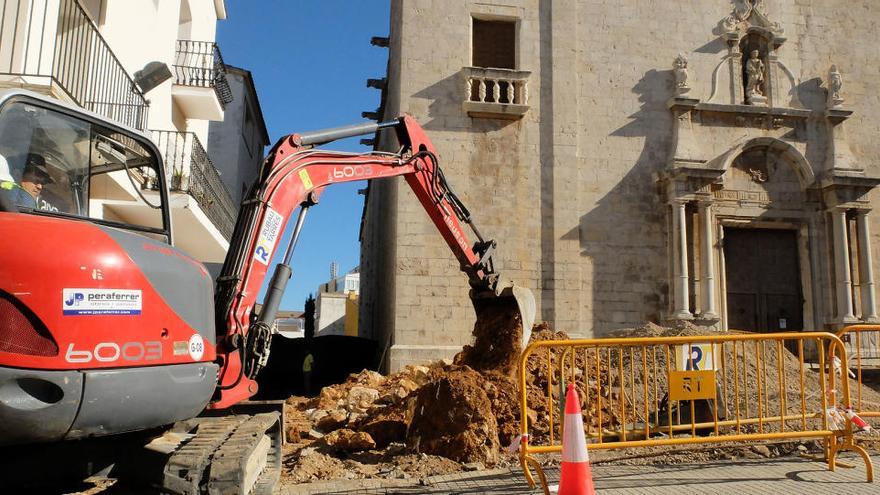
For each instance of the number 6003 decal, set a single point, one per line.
(352, 171)
(107, 352)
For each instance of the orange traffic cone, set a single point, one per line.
(575, 477)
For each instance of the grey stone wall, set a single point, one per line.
(571, 190)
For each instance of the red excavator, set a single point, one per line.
(107, 328)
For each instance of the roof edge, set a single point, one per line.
(251, 86)
(220, 8)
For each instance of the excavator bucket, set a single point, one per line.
(525, 301)
(503, 327)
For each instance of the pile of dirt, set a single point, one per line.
(497, 337)
(678, 329)
(453, 418)
(462, 411)
(542, 377)
(436, 429)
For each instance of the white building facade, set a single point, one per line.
(337, 304)
(151, 65)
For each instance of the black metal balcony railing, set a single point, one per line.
(199, 63)
(53, 39)
(189, 170)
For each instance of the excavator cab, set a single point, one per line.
(53, 161)
(97, 308)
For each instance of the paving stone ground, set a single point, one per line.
(775, 476)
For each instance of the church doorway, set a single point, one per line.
(763, 280)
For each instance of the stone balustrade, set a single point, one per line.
(496, 93)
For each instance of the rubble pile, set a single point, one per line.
(449, 414)
(462, 411)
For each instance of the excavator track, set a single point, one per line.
(225, 455)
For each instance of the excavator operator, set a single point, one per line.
(26, 192)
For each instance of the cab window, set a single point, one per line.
(53, 163)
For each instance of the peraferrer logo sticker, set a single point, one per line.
(268, 236)
(101, 302)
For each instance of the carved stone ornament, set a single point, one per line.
(835, 84)
(758, 176)
(752, 11)
(680, 69)
(757, 6)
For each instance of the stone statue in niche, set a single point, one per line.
(755, 79)
(835, 84)
(680, 70)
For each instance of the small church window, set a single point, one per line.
(494, 44)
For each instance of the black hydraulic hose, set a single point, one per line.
(438, 181)
(138, 189)
(242, 357)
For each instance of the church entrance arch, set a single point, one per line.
(765, 215)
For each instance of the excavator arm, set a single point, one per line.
(293, 176)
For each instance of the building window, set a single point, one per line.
(494, 44)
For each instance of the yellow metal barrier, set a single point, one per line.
(862, 343)
(655, 391)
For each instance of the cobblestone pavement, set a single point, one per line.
(790, 475)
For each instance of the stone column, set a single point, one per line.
(680, 266)
(866, 263)
(841, 266)
(707, 222)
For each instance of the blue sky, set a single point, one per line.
(310, 60)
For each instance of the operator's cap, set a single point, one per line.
(36, 165)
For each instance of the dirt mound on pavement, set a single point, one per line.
(453, 418)
(464, 411)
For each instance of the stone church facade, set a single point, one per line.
(703, 160)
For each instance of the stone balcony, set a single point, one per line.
(496, 93)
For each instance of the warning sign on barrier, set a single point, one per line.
(697, 357)
(691, 385)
